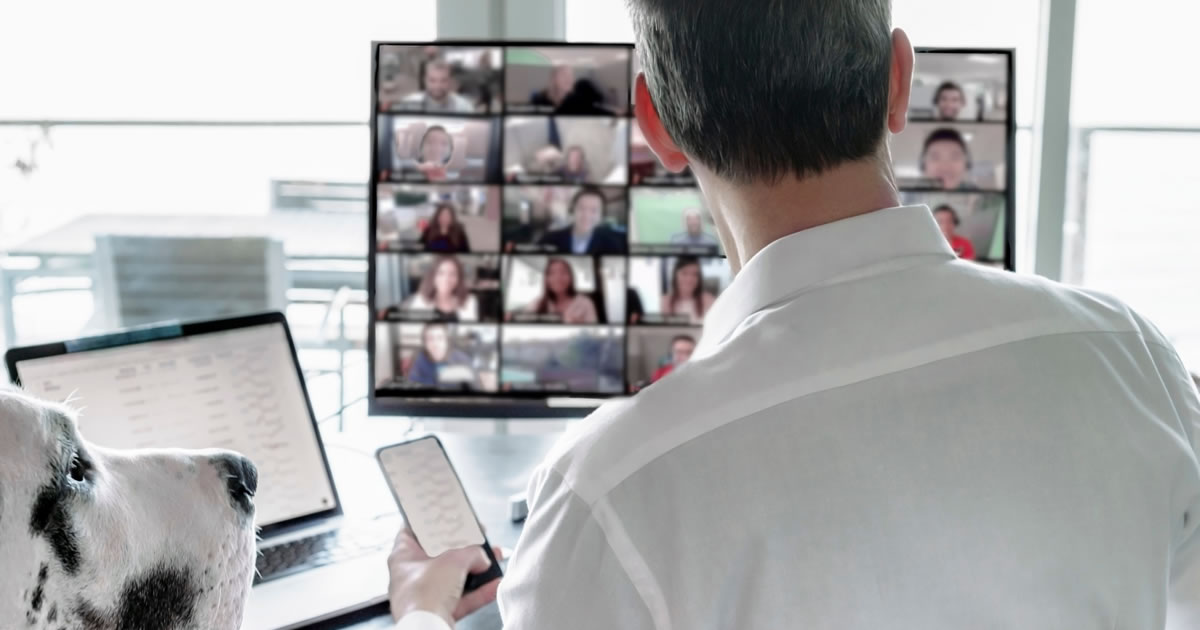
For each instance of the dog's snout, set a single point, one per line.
(241, 479)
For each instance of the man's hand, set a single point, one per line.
(435, 585)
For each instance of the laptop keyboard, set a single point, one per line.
(322, 549)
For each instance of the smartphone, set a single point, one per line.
(434, 503)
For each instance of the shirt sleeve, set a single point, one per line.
(564, 573)
(1183, 604)
(421, 620)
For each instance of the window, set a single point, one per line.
(177, 120)
(1133, 219)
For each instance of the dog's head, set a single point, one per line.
(99, 539)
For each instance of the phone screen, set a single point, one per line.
(430, 496)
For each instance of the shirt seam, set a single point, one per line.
(637, 571)
(608, 488)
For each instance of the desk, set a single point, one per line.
(492, 468)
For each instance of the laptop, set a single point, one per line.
(235, 384)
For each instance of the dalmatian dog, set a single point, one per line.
(100, 539)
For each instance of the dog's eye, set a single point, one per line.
(78, 471)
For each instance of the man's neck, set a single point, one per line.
(750, 217)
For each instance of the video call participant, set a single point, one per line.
(948, 221)
(562, 79)
(586, 234)
(686, 296)
(559, 296)
(444, 293)
(946, 159)
(949, 101)
(575, 168)
(584, 99)
(693, 233)
(436, 353)
(1028, 464)
(433, 154)
(445, 233)
(682, 347)
(438, 96)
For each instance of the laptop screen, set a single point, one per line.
(236, 389)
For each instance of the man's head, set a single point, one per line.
(692, 221)
(947, 219)
(949, 101)
(759, 90)
(587, 208)
(682, 347)
(437, 80)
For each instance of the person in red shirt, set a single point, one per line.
(681, 351)
(947, 219)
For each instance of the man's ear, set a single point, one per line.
(900, 81)
(657, 138)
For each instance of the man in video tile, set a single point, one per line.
(562, 79)
(586, 234)
(946, 159)
(682, 347)
(693, 234)
(949, 101)
(438, 95)
(947, 219)
(585, 99)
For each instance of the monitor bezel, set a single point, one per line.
(543, 405)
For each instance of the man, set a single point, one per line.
(586, 234)
(681, 351)
(438, 97)
(869, 434)
(948, 221)
(949, 101)
(946, 160)
(693, 233)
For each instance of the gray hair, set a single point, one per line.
(760, 89)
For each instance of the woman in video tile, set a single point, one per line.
(946, 159)
(444, 293)
(445, 233)
(438, 362)
(947, 219)
(687, 297)
(586, 234)
(559, 296)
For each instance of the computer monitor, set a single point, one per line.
(529, 254)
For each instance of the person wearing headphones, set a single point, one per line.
(946, 160)
(433, 154)
(586, 234)
(949, 100)
(948, 221)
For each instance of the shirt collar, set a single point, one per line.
(859, 246)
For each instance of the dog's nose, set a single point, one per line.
(241, 479)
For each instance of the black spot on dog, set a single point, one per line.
(39, 591)
(89, 618)
(52, 520)
(162, 599)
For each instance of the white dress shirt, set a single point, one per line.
(875, 434)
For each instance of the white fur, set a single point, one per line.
(145, 509)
